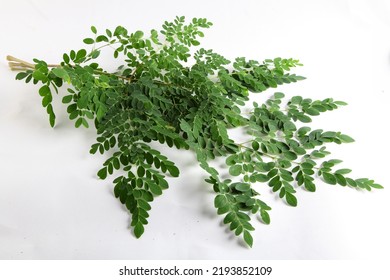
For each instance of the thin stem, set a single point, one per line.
(20, 65)
(270, 156)
(106, 45)
(246, 142)
(111, 74)
(17, 64)
(54, 65)
(252, 111)
(24, 64)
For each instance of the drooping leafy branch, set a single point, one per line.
(168, 92)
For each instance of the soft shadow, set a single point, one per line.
(241, 243)
(204, 190)
(388, 58)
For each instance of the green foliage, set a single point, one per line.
(168, 90)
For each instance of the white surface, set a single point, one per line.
(53, 207)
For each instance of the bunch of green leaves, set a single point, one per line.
(169, 90)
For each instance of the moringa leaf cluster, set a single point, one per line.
(171, 91)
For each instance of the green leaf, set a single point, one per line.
(239, 230)
(195, 43)
(138, 230)
(52, 119)
(138, 34)
(140, 171)
(94, 148)
(312, 112)
(346, 139)
(173, 170)
(93, 29)
(101, 38)
(89, 41)
(376, 186)
(255, 145)
(290, 155)
(185, 127)
(303, 130)
(309, 185)
(78, 122)
(299, 150)
(279, 95)
(235, 170)
(102, 173)
(80, 55)
(291, 199)
(303, 118)
(296, 99)
(230, 160)
(66, 58)
(46, 100)
(84, 122)
(229, 218)
(242, 187)
(220, 201)
(329, 178)
(261, 178)
(340, 179)
(44, 90)
(248, 238)
(61, 73)
(95, 54)
(52, 116)
(341, 103)
(21, 75)
(265, 217)
(329, 134)
(155, 189)
(351, 182)
(335, 161)
(67, 99)
(38, 75)
(343, 171)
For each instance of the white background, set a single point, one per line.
(52, 206)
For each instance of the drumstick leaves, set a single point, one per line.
(168, 89)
